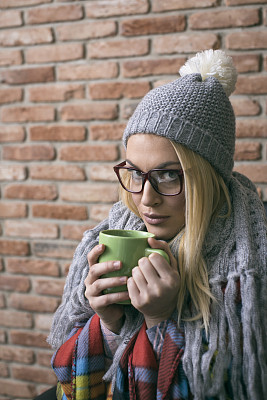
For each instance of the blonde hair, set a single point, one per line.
(205, 194)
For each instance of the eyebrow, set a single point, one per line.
(163, 165)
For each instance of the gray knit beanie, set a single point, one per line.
(194, 110)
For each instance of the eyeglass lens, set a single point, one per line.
(164, 181)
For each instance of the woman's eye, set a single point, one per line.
(168, 176)
(136, 174)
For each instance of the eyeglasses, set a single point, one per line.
(168, 182)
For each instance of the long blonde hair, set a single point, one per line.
(205, 193)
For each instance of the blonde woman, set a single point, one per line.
(196, 326)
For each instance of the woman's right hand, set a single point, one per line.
(110, 314)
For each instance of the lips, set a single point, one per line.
(154, 219)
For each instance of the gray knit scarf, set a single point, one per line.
(235, 248)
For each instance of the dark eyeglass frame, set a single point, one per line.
(146, 176)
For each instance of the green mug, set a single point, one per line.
(128, 247)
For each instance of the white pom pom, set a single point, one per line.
(213, 63)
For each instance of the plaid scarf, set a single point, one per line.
(79, 365)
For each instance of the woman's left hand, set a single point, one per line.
(154, 285)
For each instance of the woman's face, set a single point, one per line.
(163, 215)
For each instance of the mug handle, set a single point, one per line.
(149, 251)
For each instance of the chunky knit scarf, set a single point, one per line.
(235, 250)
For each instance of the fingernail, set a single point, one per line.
(117, 264)
(123, 279)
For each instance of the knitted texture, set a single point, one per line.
(191, 111)
(235, 249)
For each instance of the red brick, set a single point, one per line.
(106, 131)
(252, 84)
(29, 152)
(89, 153)
(87, 112)
(4, 373)
(11, 134)
(13, 247)
(135, 68)
(27, 75)
(95, 70)
(34, 374)
(32, 339)
(99, 212)
(59, 211)
(86, 30)
(66, 268)
(245, 106)
(12, 173)
(14, 283)
(74, 232)
(13, 210)
(15, 319)
(33, 192)
(118, 90)
(224, 19)
(17, 354)
(54, 250)
(90, 193)
(17, 389)
(26, 37)
(31, 229)
(10, 57)
(28, 114)
(58, 92)
(251, 128)
(54, 53)
(10, 19)
(57, 172)
(246, 40)
(102, 8)
(32, 267)
(2, 336)
(118, 48)
(21, 3)
(33, 303)
(44, 357)
(247, 151)
(168, 5)
(10, 95)
(54, 14)
(155, 25)
(255, 172)
(102, 173)
(185, 43)
(57, 133)
(241, 2)
(43, 322)
(2, 297)
(247, 62)
(49, 287)
(161, 82)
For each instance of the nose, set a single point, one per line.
(149, 196)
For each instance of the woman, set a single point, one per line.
(196, 327)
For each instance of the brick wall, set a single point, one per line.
(71, 74)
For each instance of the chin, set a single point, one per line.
(160, 233)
